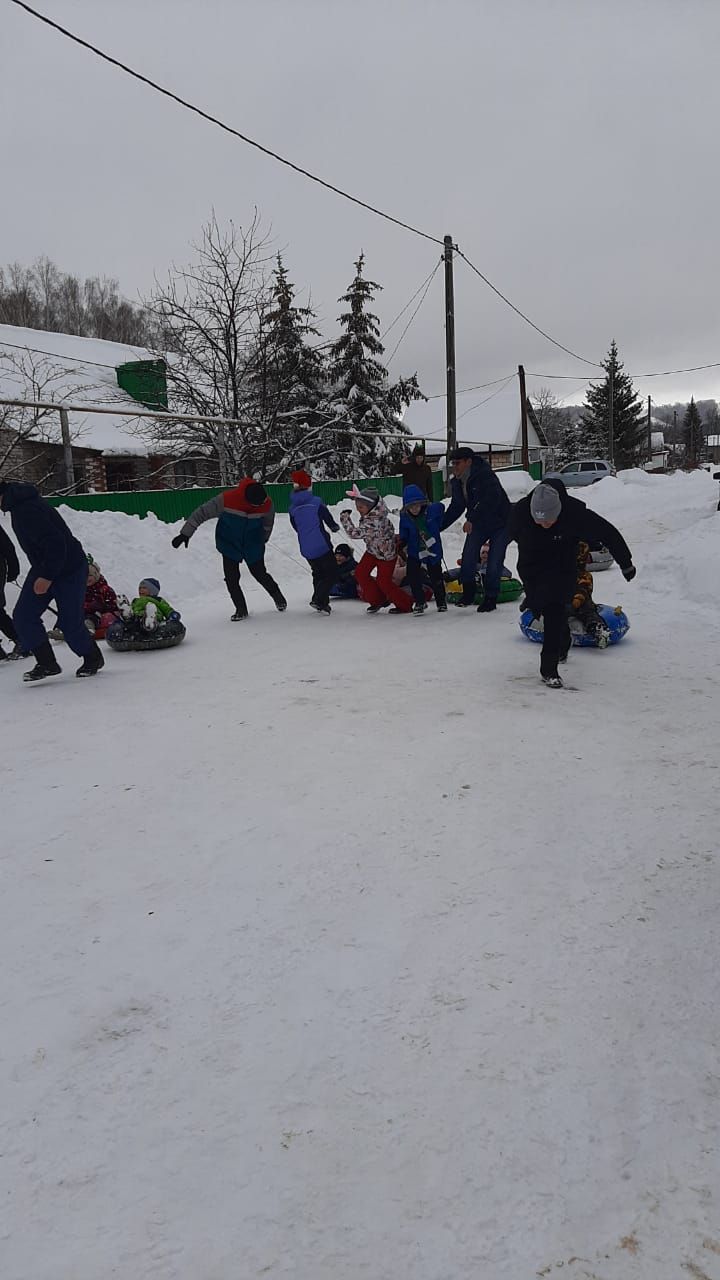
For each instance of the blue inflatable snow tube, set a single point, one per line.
(615, 620)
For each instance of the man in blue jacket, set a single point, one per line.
(311, 520)
(477, 491)
(58, 571)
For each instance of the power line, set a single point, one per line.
(480, 386)
(409, 303)
(412, 317)
(658, 373)
(18, 346)
(492, 395)
(512, 306)
(205, 115)
(380, 213)
(667, 373)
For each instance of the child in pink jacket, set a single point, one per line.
(376, 531)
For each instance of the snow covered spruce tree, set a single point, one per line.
(693, 436)
(629, 430)
(361, 404)
(288, 383)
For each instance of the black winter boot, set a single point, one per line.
(91, 664)
(45, 664)
(488, 605)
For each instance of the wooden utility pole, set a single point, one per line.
(524, 446)
(451, 406)
(649, 428)
(611, 415)
(67, 449)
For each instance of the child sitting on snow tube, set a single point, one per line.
(101, 607)
(583, 607)
(149, 622)
(590, 623)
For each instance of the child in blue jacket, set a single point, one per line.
(420, 523)
(311, 520)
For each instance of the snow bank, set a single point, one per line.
(668, 521)
(672, 526)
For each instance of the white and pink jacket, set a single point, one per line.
(375, 530)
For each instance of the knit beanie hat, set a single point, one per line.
(370, 496)
(151, 584)
(93, 570)
(418, 451)
(301, 479)
(342, 549)
(545, 503)
(255, 494)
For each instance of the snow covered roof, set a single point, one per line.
(488, 416)
(37, 364)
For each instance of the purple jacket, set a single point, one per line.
(308, 515)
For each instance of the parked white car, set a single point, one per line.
(584, 471)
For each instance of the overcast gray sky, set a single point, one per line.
(569, 146)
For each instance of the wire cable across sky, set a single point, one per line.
(290, 164)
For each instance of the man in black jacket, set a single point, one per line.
(9, 571)
(547, 526)
(477, 491)
(58, 571)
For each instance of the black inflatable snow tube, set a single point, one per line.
(130, 640)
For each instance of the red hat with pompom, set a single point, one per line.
(301, 479)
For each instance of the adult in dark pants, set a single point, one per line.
(415, 470)
(58, 571)
(245, 517)
(9, 571)
(548, 525)
(477, 491)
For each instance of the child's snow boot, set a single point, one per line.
(239, 615)
(419, 608)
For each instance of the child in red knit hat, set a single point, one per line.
(311, 520)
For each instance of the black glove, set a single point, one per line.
(629, 573)
(180, 540)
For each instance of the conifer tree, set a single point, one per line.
(361, 399)
(628, 421)
(288, 378)
(693, 435)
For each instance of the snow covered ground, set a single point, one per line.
(340, 947)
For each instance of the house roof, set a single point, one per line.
(35, 363)
(488, 416)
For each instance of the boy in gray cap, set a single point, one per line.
(548, 525)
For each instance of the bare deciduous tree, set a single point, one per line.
(210, 316)
(27, 376)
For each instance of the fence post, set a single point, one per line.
(67, 449)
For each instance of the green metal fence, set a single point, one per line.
(171, 505)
